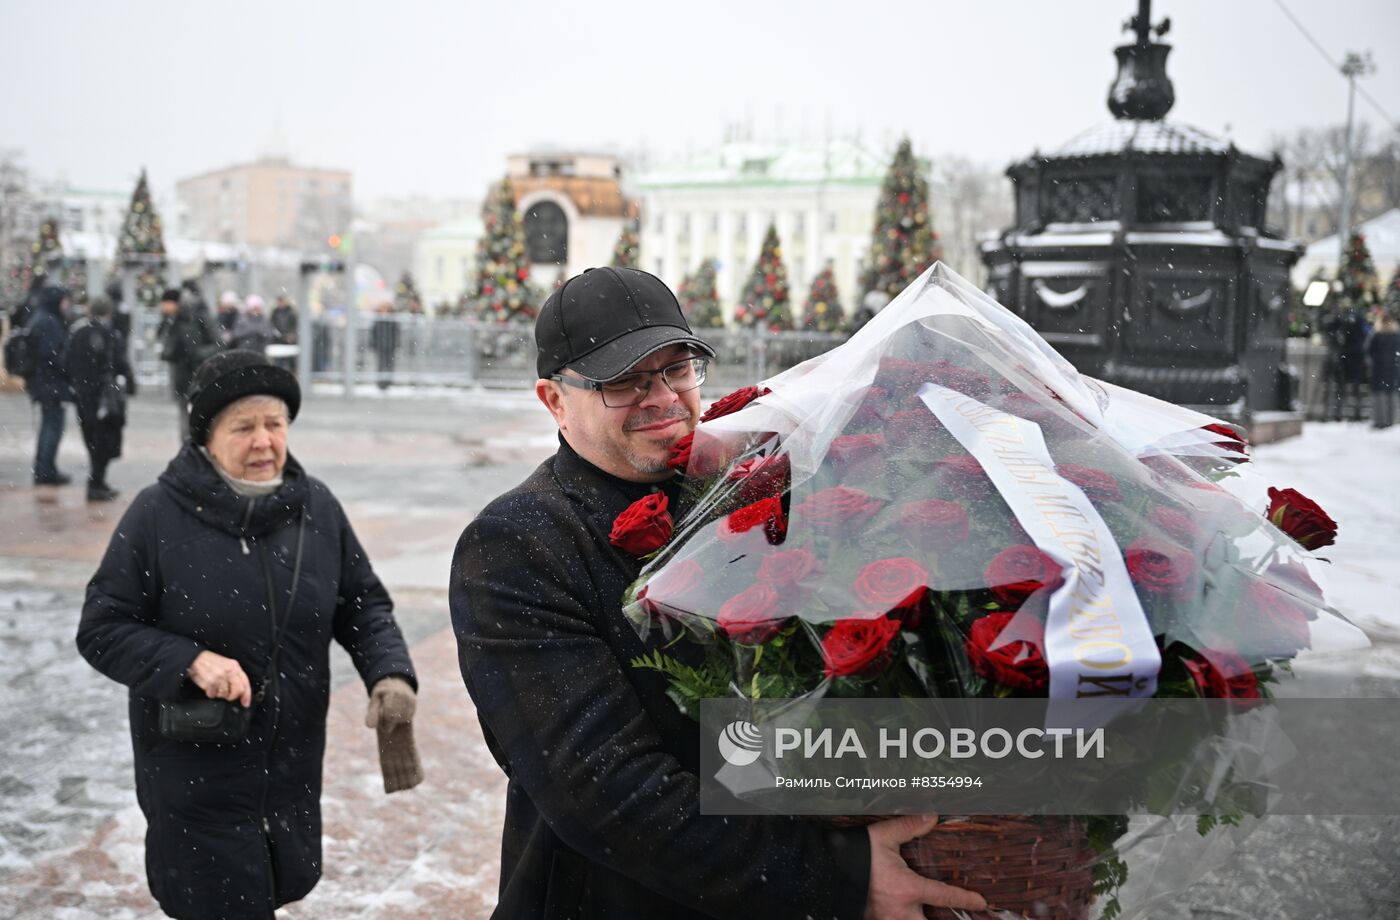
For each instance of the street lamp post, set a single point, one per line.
(1355, 65)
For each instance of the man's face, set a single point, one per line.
(633, 442)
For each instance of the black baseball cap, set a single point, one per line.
(605, 320)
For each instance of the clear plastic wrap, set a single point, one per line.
(944, 507)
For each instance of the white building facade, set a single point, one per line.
(717, 205)
(444, 261)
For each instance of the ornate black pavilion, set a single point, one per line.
(1140, 251)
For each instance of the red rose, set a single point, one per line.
(859, 647)
(890, 584)
(836, 506)
(761, 477)
(669, 588)
(914, 428)
(873, 408)
(753, 616)
(1161, 568)
(933, 524)
(788, 567)
(1272, 623)
(680, 453)
(902, 378)
(851, 447)
(1234, 444)
(1167, 468)
(1176, 524)
(1222, 674)
(1293, 578)
(733, 402)
(1016, 662)
(1301, 518)
(964, 476)
(1032, 409)
(644, 527)
(964, 380)
(1017, 572)
(766, 513)
(1096, 485)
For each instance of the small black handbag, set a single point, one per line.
(205, 721)
(213, 721)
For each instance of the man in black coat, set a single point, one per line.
(48, 385)
(602, 811)
(101, 378)
(204, 571)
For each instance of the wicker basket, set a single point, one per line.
(1041, 868)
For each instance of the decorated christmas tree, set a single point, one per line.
(502, 292)
(1392, 293)
(406, 297)
(822, 311)
(625, 253)
(142, 244)
(46, 251)
(1357, 274)
(699, 298)
(903, 243)
(764, 303)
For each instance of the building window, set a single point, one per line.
(660, 223)
(831, 222)
(438, 269)
(714, 223)
(685, 227)
(742, 225)
(656, 268)
(547, 233)
(799, 223)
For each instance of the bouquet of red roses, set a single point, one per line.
(944, 507)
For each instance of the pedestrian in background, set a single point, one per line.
(188, 338)
(284, 327)
(228, 315)
(101, 378)
(253, 332)
(1346, 332)
(384, 339)
(48, 386)
(1383, 349)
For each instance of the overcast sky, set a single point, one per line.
(419, 97)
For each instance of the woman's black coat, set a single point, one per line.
(95, 358)
(234, 829)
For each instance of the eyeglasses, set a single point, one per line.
(630, 389)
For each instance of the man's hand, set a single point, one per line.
(898, 892)
(220, 678)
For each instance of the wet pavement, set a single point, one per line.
(410, 473)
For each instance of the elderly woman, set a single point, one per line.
(215, 603)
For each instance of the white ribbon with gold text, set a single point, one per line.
(1098, 643)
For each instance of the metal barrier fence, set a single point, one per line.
(465, 353)
(405, 350)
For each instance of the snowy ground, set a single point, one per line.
(70, 834)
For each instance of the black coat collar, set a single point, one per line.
(198, 488)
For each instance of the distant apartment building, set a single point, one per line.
(719, 203)
(270, 202)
